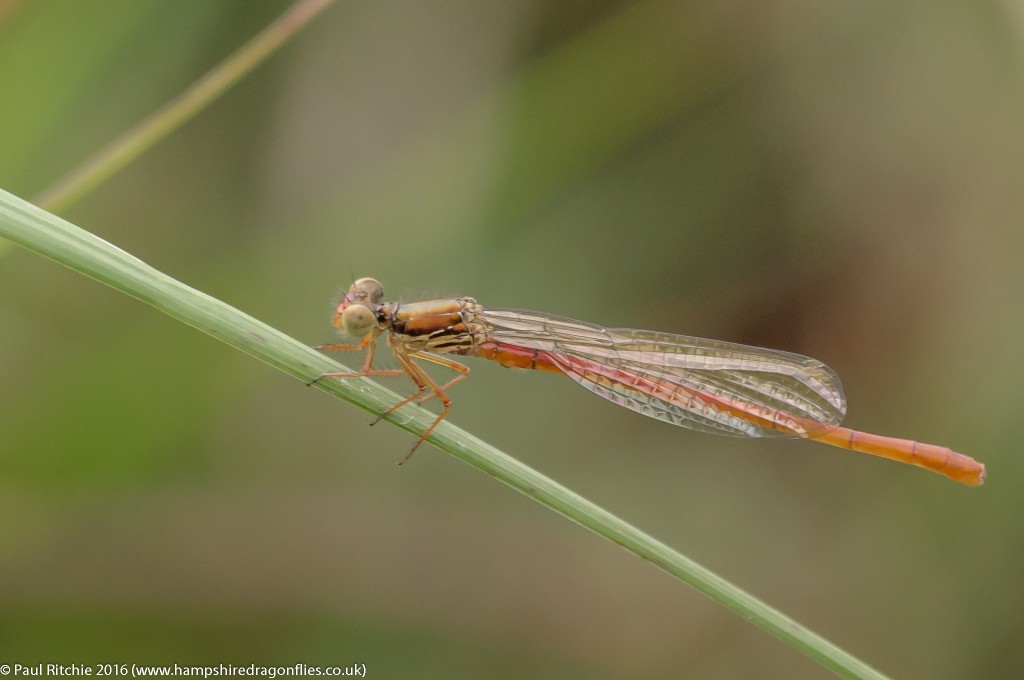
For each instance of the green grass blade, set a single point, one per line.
(57, 239)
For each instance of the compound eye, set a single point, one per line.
(358, 320)
(370, 289)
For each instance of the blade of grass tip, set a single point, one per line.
(147, 132)
(53, 237)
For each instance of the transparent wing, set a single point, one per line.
(705, 385)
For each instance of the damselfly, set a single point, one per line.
(706, 385)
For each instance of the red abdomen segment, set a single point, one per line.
(944, 461)
(956, 466)
(515, 357)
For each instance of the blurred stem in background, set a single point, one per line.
(138, 139)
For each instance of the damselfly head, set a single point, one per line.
(365, 289)
(357, 312)
(357, 320)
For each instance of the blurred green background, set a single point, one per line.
(843, 180)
